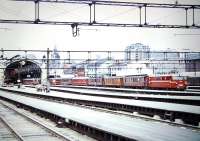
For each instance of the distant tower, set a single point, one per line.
(137, 52)
(55, 62)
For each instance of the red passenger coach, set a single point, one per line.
(55, 81)
(31, 81)
(80, 81)
(66, 81)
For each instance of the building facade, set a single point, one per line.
(137, 52)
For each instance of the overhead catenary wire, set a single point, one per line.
(118, 14)
(12, 11)
(111, 3)
(64, 12)
(157, 20)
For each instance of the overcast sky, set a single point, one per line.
(95, 38)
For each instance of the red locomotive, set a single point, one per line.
(167, 82)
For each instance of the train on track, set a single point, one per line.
(31, 81)
(129, 81)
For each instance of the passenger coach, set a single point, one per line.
(79, 81)
(135, 81)
(113, 81)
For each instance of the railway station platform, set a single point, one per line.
(190, 100)
(129, 128)
(188, 113)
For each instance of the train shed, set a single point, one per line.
(18, 68)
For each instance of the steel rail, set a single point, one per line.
(129, 96)
(48, 129)
(16, 134)
(153, 91)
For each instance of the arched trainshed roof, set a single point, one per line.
(20, 69)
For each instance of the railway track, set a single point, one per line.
(135, 91)
(9, 128)
(188, 100)
(129, 114)
(21, 127)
